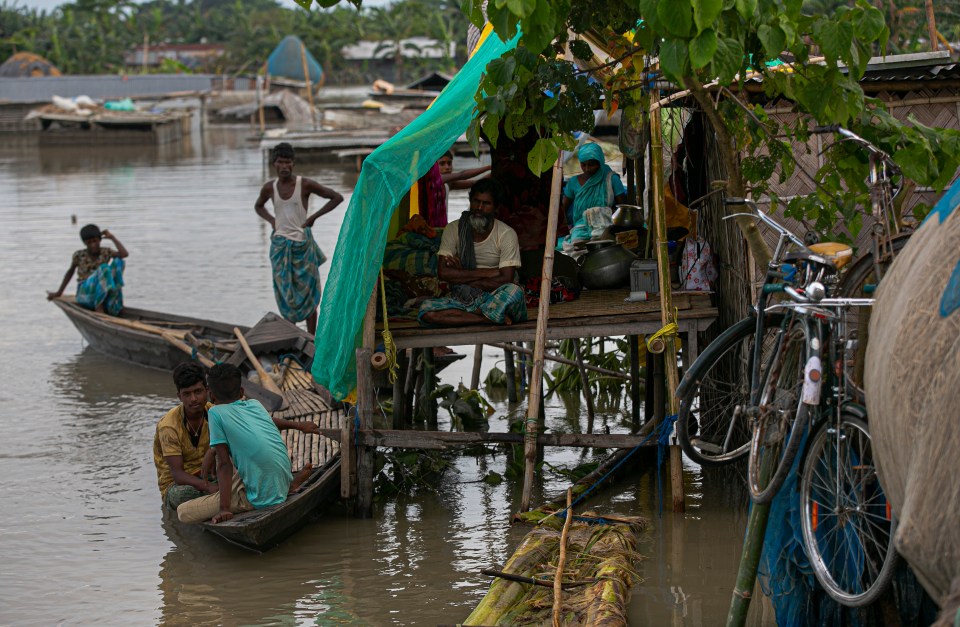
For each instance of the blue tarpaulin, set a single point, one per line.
(286, 61)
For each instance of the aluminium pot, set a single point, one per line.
(629, 216)
(606, 266)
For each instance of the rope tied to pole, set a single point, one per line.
(656, 343)
(389, 347)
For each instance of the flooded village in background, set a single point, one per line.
(678, 419)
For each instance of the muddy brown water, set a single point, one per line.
(83, 539)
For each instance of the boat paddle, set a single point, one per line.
(265, 379)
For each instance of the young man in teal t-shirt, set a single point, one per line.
(241, 429)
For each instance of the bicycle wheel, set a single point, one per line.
(711, 427)
(781, 416)
(861, 272)
(847, 525)
(854, 284)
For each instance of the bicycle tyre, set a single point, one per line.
(860, 515)
(861, 270)
(778, 429)
(716, 384)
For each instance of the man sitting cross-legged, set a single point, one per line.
(479, 256)
(243, 430)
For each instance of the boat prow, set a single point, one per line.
(263, 529)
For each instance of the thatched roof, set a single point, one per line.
(27, 64)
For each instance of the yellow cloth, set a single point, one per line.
(172, 438)
(677, 214)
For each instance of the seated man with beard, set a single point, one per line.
(479, 257)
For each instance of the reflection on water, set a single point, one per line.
(82, 533)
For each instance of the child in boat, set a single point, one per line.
(99, 272)
(242, 429)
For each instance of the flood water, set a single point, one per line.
(83, 538)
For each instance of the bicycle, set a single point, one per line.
(725, 382)
(709, 429)
(846, 521)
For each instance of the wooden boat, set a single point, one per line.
(263, 529)
(161, 340)
(133, 336)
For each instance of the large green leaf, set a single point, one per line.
(491, 128)
(676, 16)
(702, 49)
(747, 9)
(673, 59)
(870, 25)
(705, 13)
(773, 40)
(835, 39)
(648, 12)
(727, 60)
(542, 156)
(522, 8)
(501, 70)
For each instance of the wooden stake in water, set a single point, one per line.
(666, 298)
(532, 423)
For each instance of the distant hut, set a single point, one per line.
(26, 65)
(285, 66)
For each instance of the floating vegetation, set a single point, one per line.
(405, 471)
(467, 407)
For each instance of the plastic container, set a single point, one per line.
(644, 277)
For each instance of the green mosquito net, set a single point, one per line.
(386, 177)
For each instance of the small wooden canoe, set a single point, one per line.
(135, 335)
(162, 340)
(263, 529)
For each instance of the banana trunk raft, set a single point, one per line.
(598, 571)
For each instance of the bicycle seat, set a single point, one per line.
(810, 257)
(839, 254)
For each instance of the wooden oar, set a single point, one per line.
(265, 379)
(175, 341)
(139, 326)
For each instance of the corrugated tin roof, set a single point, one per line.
(915, 67)
(410, 48)
(43, 88)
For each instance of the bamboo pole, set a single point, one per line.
(365, 409)
(749, 563)
(263, 123)
(666, 297)
(585, 384)
(510, 370)
(477, 361)
(306, 78)
(932, 26)
(561, 562)
(532, 422)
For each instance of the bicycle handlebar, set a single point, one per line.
(763, 218)
(848, 134)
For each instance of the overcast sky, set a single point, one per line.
(51, 4)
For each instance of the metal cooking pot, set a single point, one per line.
(629, 215)
(605, 267)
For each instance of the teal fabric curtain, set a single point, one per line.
(386, 177)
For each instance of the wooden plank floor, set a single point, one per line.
(306, 403)
(597, 313)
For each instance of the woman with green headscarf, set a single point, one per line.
(597, 186)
